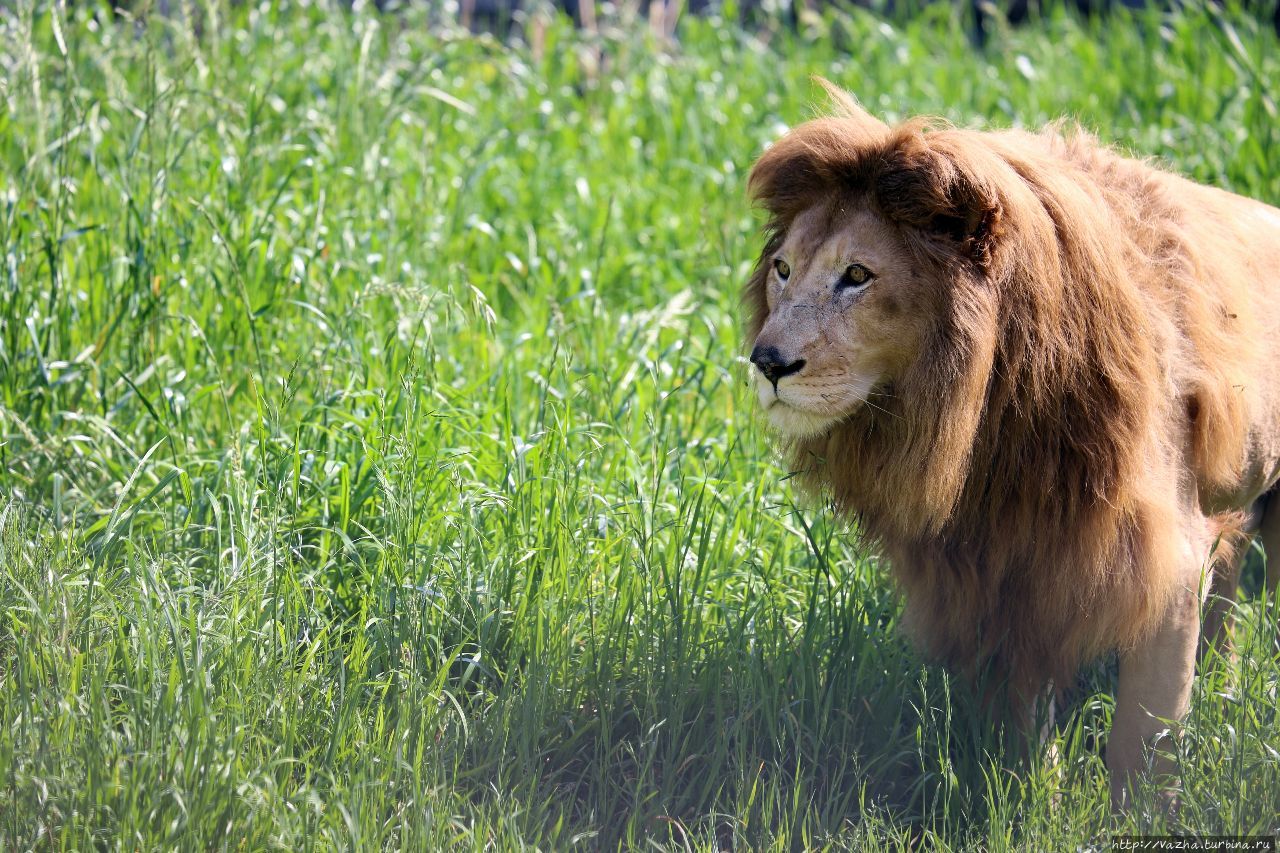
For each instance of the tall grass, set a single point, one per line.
(376, 470)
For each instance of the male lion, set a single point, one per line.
(1042, 377)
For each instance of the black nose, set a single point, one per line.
(773, 365)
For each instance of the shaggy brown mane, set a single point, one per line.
(1013, 461)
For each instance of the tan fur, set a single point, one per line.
(1061, 383)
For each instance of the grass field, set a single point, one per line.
(377, 467)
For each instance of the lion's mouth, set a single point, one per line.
(817, 410)
(793, 421)
(773, 403)
(771, 400)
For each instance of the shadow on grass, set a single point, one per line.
(847, 738)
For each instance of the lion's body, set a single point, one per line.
(1056, 546)
(1094, 395)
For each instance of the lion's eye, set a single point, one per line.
(782, 268)
(855, 275)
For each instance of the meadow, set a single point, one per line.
(377, 468)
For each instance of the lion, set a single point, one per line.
(1041, 378)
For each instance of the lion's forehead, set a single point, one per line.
(829, 236)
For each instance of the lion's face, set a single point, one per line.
(846, 313)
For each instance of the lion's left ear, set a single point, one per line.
(943, 184)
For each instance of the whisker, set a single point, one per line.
(839, 399)
(868, 402)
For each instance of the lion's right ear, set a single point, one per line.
(939, 184)
(818, 157)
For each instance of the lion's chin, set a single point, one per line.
(797, 423)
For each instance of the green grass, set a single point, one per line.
(376, 467)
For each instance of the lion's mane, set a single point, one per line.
(1021, 477)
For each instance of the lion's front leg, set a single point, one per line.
(1155, 688)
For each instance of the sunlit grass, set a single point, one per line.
(376, 470)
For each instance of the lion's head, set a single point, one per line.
(844, 316)
(872, 309)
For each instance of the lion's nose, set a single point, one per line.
(771, 363)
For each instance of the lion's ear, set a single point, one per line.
(935, 184)
(820, 156)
